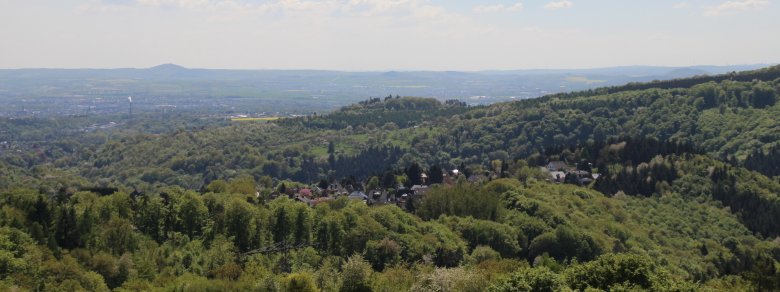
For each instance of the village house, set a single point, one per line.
(378, 196)
(579, 177)
(336, 189)
(306, 193)
(557, 166)
(557, 176)
(419, 190)
(304, 200)
(320, 200)
(358, 195)
(402, 194)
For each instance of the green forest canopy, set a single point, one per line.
(687, 199)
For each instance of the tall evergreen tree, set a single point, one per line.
(414, 173)
(436, 175)
(41, 213)
(301, 235)
(282, 226)
(388, 179)
(66, 228)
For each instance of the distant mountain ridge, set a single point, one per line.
(628, 71)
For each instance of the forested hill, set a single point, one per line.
(686, 197)
(733, 121)
(729, 117)
(768, 73)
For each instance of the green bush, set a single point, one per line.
(539, 279)
(299, 282)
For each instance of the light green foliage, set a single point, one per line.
(220, 258)
(244, 184)
(383, 253)
(66, 274)
(500, 186)
(116, 236)
(462, 200)
(565, 244)
(299, 282)
(483, 253)
(178, 211)
(305, 259)
(217, 186)
(355, 275)
(503, 238)
(451, 280)
(113, 270)
(611, 272)
(396, 278)
(328, 275)
(372, 184)
(545, 224)
(537, 280)
(621, 270)
(15, 251)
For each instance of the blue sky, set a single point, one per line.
(387, 34)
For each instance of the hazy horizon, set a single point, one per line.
(382, 35)
(402, 70)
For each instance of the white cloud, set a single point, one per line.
(734, 6)
(353, 8)
(517, 7)
(428, 12)
(375, 7)
(488, 8)
(498, 8)
(178, 3)
(559, 4)
(419, 9)
(680, 5)
(103, 8)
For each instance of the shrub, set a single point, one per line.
(299, 282)
(539, 279)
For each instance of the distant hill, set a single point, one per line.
(729, 117)
(167, 67)
(305, 91)
(686, 72)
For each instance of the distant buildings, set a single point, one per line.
(560, 172)
(557, 166)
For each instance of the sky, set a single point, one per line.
(374, 35)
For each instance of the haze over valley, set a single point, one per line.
(169, 87)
